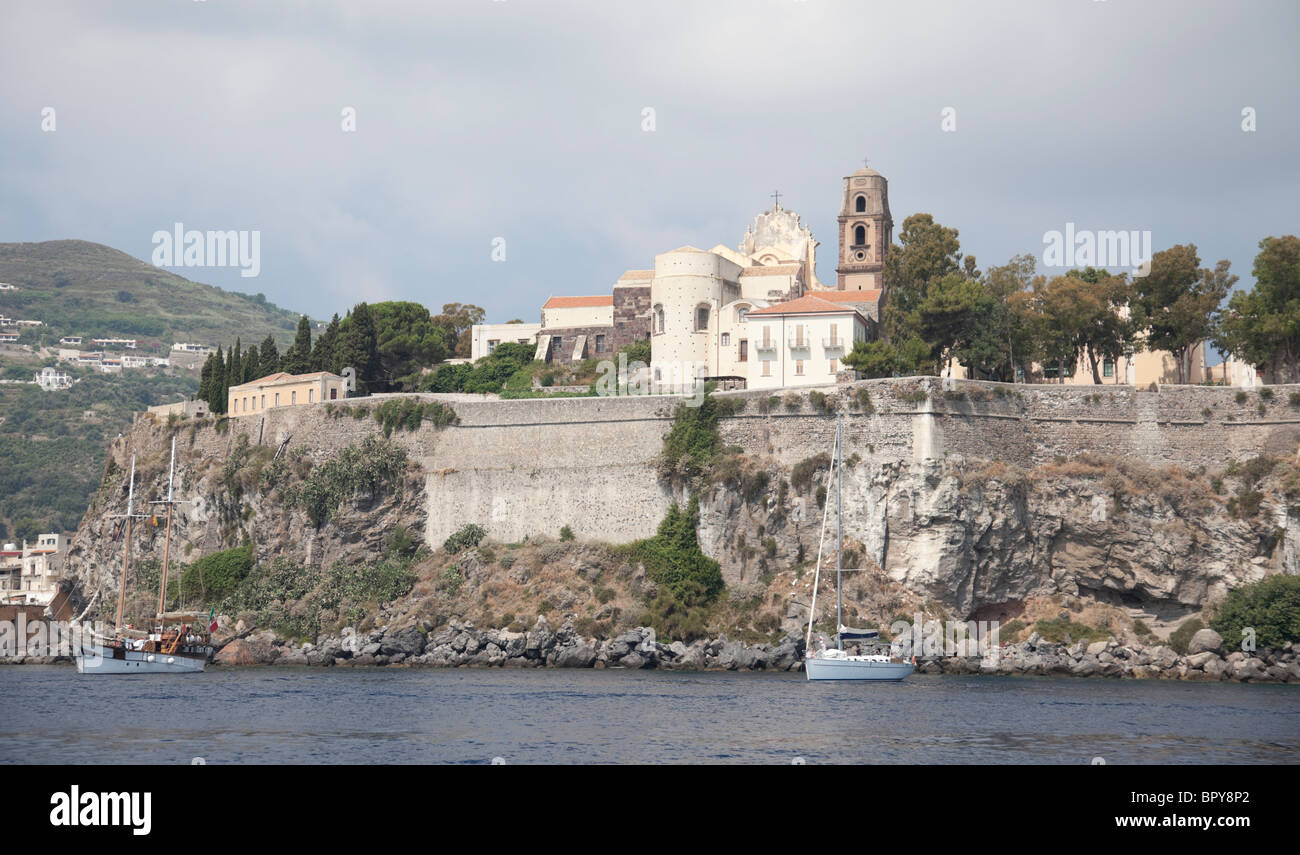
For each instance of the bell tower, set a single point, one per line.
(866, 231)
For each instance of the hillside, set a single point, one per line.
(53, 443)
(80, 288)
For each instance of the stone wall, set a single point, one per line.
(529, 467)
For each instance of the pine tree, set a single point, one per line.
(269, 359)
(323, 355)
(297, 359)
(205, 379)
(217, 386)
(252, 370)
(234, 366)
(358, 347)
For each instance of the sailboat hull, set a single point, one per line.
(105, 660)
(855, 669)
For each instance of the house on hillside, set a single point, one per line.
(284, 390)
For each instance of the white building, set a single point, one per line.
(484, 338)
(191, 347)
(70, 341)
(127, 343)
(50, 379)
(802, 342)
(31, 575)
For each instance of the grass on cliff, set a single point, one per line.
(693, 444)
(688, 580)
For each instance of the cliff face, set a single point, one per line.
(968, 507)
(979, 539)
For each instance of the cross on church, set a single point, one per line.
(777, 196)
(864, 161)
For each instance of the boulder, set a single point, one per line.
(633, 661)
(1247, 669)
(1198, 660)
(1096, 648)
(1086, 667)
(1163, 656)
(575, 656)
(237, 652)
(1205, 640)
(1215, 668)
(407, 642)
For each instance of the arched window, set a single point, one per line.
(741, 313)
(860, 236)
(659, 318)
(861, 205)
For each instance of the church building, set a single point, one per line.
(755, 316)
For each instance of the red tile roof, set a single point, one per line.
(808, 304)
(578, 302)
(872, 296)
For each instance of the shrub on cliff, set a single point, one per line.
(214, 576)
(467, 537)
(411, 413)
(673, 558)
(1270, 606)
(693, 444)
(364, 468)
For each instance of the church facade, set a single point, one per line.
(755, 316)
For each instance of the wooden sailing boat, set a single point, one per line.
(167, 647)
(827, 663)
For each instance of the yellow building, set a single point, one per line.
(283, 390)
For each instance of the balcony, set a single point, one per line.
(762, 345)
(834, 343)
(800, 342)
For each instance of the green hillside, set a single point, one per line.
(53, 444)
(80, 288)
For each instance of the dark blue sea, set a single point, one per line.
(334, 715)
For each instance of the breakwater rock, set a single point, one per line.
(463, 644)
(1206, 660)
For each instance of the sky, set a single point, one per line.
(503, 152)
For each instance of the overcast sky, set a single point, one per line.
(523, 120)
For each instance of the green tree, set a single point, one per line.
(234, 366)
(457, 319)
(406, 340)
(926, 251)
(358, 348)
(268, 359)
(1084, 321)
(1177, 301)
(324, 354)
(252, 367)
(1262, 326)
(297, 359)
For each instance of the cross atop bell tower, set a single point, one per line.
(866, 231)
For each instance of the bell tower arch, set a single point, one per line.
(866, 231)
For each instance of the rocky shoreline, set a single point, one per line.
(460, 644)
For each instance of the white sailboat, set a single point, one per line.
(159, 650)
(835, 663)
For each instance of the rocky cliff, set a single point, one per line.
(959, 502)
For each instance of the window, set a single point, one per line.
(835, 366)
(798, 367)
(861, 205)
(767, 368)
(492, 344)
(264, 402)
(701, 318)
(742, 312)
(726, 339)
(860, 236)
(767, 337)
(293, 397)
(744, 350)
(835, 335)
(277, 399)
(659, 319)
(334, 394)
(311, 396)
(600, 344)
(1108, 368)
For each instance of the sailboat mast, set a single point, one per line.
(126, 550)
(167, 539)
(839, 535)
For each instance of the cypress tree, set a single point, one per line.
(297, 359)
(252, 369)
(323, 355)
(234, 366)
(269, 359)
(205, 379)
